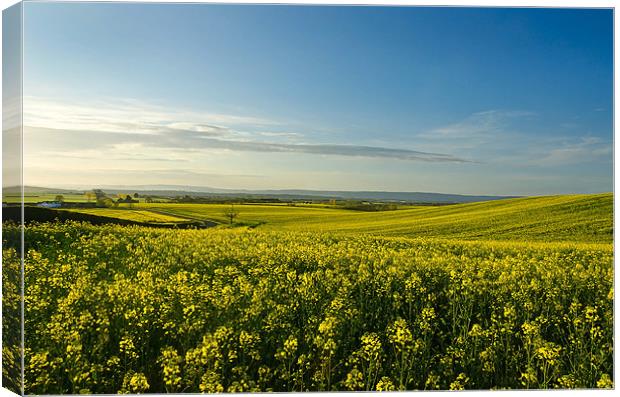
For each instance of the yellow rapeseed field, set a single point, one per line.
(133, 309)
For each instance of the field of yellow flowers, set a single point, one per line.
(131, 309)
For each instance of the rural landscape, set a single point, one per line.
(320, 294)
(232, 198)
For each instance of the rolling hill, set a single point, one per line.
(285, 194)
(579, 218)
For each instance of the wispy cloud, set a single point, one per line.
(138, 173)
(112, 145)
(509, 138)
(485, 124)
(478, 136)
(115, 175)
(337, 150)
(281, 134)
(576, 151)
(130, 116)
(71, 127)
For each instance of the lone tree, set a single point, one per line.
(59, 198)
(90, 195)
(129, 200)
(105, 202)
(102, 199)
(231, 213)
(100, 194)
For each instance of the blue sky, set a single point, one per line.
(455, 100)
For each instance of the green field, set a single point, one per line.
(37, 198)
(131, 215)
(506, 294)
(558, 218)
(586, 218)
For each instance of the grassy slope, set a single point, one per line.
(132, 215)
(583, 218)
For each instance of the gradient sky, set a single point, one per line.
(453, 100)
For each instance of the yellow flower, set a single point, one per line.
(385, 384)
(605, 382)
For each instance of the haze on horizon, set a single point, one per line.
(453, 100)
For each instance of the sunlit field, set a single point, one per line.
(506, 294)
(130, 214)
(37, 198)
(552, 218)
(236, 198)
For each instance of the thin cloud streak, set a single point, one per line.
(478, 125)
(586, 149)
(333, 150)
(129, 116)
(499, 137)
(137, 122)
(193, 141)
(87, 178)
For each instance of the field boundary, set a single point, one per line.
(37, 214)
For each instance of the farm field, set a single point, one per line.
(278, 198)
(288, 306)
(36, 198)
(557, 218)
(134, 309)
(584, 218)
(131, 215)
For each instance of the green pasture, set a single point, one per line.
(576, 218)
(36, 198)
(131, 215)
(585, 218)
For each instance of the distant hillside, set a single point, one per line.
(298, 194)
(418, 197)
(576, 218)
(35, 190)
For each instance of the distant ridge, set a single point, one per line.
(37, 189)
(299, 194)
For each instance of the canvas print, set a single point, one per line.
(208, 198)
